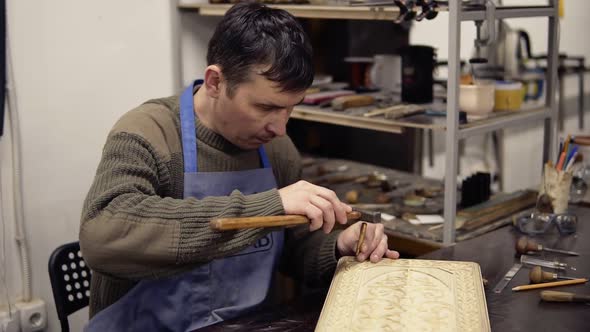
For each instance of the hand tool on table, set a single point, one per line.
(553, 296)
(325, 169)
(233, 223)
(507, 277)
(370, 206)
(550, 284)
(335, 179)
(525, 245)
(352, 196)
(537, 276)
(373, 180)
(528, 260)
(343, 178)
(307, 161)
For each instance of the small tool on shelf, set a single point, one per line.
(524, 245)
(537, 276)
(346, 102)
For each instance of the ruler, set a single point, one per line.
(507, 277)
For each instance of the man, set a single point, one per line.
(219, 149)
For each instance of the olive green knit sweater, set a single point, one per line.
(135, 223)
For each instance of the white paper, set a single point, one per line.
(427, 219)
(387, 217)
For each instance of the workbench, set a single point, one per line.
(494, 251)
(410, 239)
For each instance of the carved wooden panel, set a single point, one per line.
(405, 295)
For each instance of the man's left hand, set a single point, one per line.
(374, 245)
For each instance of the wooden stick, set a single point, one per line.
(224, 224)
(359, 244)
(550, 284)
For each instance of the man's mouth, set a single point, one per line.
(264, 140)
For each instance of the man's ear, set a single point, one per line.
(213, 82)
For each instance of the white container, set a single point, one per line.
(477, 100)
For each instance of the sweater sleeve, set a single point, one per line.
(310, 257)
(307, 256)
(131, 229)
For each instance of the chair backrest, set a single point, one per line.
(70, 281)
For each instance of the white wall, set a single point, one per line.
(79, 65)
(522, 146)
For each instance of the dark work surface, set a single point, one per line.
(298, 316)
(495, 253)
(524, 311)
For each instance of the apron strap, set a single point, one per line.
(187, 126)
(263, 157)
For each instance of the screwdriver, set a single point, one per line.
(524, 245)
(537, 275)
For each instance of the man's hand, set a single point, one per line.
(374, 245)
(319, 204)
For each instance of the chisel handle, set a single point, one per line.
(582, 140)
(226, 224)
(553, 296)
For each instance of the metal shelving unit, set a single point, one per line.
(454, 131)
(454, 134)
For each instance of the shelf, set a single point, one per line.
(385, 13)
(314, 114)
(508, 119)
(510, 12)
(353, 118)
(308, 11)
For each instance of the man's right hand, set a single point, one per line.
(319, 204)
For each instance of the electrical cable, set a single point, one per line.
(19, 231)
(3, 256)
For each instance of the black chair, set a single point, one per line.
(70, 281)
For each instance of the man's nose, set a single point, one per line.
(278, 125)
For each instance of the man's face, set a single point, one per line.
(257, 112)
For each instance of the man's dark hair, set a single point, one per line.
(252, 34)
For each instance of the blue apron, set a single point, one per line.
(213, 292)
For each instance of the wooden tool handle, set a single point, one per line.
(553, 296)
(525, 245)
(225, 224)
(537, 275)
(582, 140)
(344, 102)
